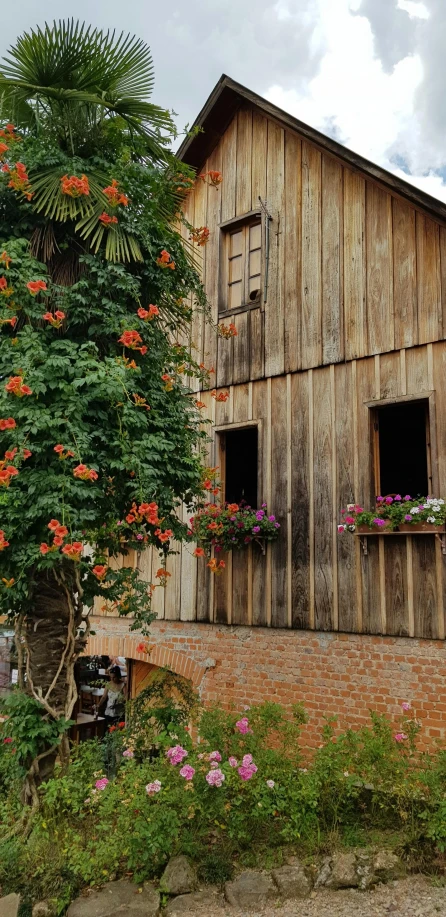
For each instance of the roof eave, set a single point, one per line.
(226, 98)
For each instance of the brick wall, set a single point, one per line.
(330, 673)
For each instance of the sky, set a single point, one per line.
(369, 73)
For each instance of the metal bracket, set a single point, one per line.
(442, 540)
(363, 541)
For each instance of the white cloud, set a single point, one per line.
(354, 99)
(416, 10)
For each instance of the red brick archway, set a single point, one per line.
(160, 656)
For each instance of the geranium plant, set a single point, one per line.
(394, 511)
(229, 526)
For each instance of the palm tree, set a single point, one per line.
(81, 89)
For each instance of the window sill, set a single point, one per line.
(247, 307)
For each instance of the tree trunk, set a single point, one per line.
(51, 642)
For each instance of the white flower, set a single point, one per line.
(415, 509)
(431, 518)
(440, 502)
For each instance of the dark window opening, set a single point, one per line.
(240, 466)
(402, 439)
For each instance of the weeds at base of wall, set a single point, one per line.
(243, 796)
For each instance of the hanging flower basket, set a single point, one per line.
(230, 526)
(395, 514)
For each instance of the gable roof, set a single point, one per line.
(227, 97)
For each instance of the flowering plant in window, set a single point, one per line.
(394, 512)
(229, 527)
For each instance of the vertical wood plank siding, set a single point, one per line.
(321, 417)
(355, 312)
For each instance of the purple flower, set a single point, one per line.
(277, 525)
(400, 737)
(379, 522)
(256, 529)
(187, 772)
(271, 518)
(264, 504)
(380, 499)
(215, 778)
(233, 518)
(407, 497)
(259, 515)
(408, 518)
(389, 500)
(397, 496)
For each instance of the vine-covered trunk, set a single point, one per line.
(50, 639)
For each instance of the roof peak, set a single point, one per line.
(225, 100)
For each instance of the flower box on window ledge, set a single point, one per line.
(230, 527)
(395, 514)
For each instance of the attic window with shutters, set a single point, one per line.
(242, 256)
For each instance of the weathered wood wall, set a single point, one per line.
(315, 458)
(354, 271)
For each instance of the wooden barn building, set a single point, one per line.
(334, 274)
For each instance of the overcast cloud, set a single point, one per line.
(369, 72)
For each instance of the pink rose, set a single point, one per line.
(128, 753)
(153, 788)
(405, 706)
(187, 772)
(215, 777)
(349, 520)
(243, 725)
(215, 756)
(101, 784)
(232, 761)
(176, 754)
(400, 737)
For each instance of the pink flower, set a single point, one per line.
(380, 499)
(128, 753)
(247, 772)
(215, 756)
(397, 496)
(408, 518)
(187, 772)
(389, 500)
(215, 777)
(214, 764)
(101, 784)
(349, 520)
(379, 522)
(407, 497)
(270, 784)
(247, 760)
(405, 706)
(401, 737)
(176, 754)
(243, 725)
(256, 530)
(341, 529)
(7, 741)
(232, 761)
(140, 537)
(153, 788)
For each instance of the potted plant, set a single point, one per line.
(230, 526)
(394, 514)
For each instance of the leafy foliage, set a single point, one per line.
(98, 418)
(263, 800)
